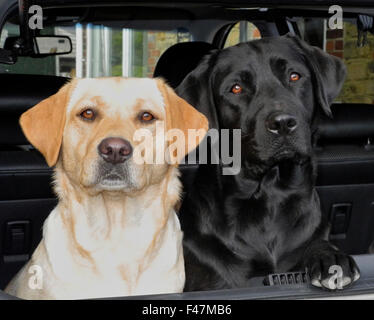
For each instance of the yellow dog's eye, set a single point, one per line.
(146, 117)
(294, 76)
(88, 114)
(236, 89)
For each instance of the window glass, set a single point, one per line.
(99, 51)
(243, 31)
(343, 43)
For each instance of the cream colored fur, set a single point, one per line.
(102, 241)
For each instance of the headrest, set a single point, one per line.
(350, 121)
(179, 60)
(20, 92)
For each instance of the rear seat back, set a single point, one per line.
(26, 196)
(345, 180)
(180, 59)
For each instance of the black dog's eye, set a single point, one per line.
(88, 114)
(294, 76)
(236, 89)
(146, 117)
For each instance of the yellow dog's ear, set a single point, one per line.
(181, 115)
(43, 124)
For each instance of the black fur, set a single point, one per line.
(267, 218)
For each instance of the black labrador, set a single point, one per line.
(266, 219)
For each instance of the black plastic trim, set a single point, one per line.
(365, 285)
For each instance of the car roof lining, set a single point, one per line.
(156, 18)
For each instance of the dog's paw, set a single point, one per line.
(333, 271)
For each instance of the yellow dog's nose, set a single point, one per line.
(115, 150)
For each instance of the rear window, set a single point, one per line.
(242, 31)
(343, 43)
(99, 51)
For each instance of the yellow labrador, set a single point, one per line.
(114, 231)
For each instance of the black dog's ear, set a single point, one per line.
(328, 73)
(196, 89)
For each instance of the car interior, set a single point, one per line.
(344, 147)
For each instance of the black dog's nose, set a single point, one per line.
(115, 150)
(281, 124)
